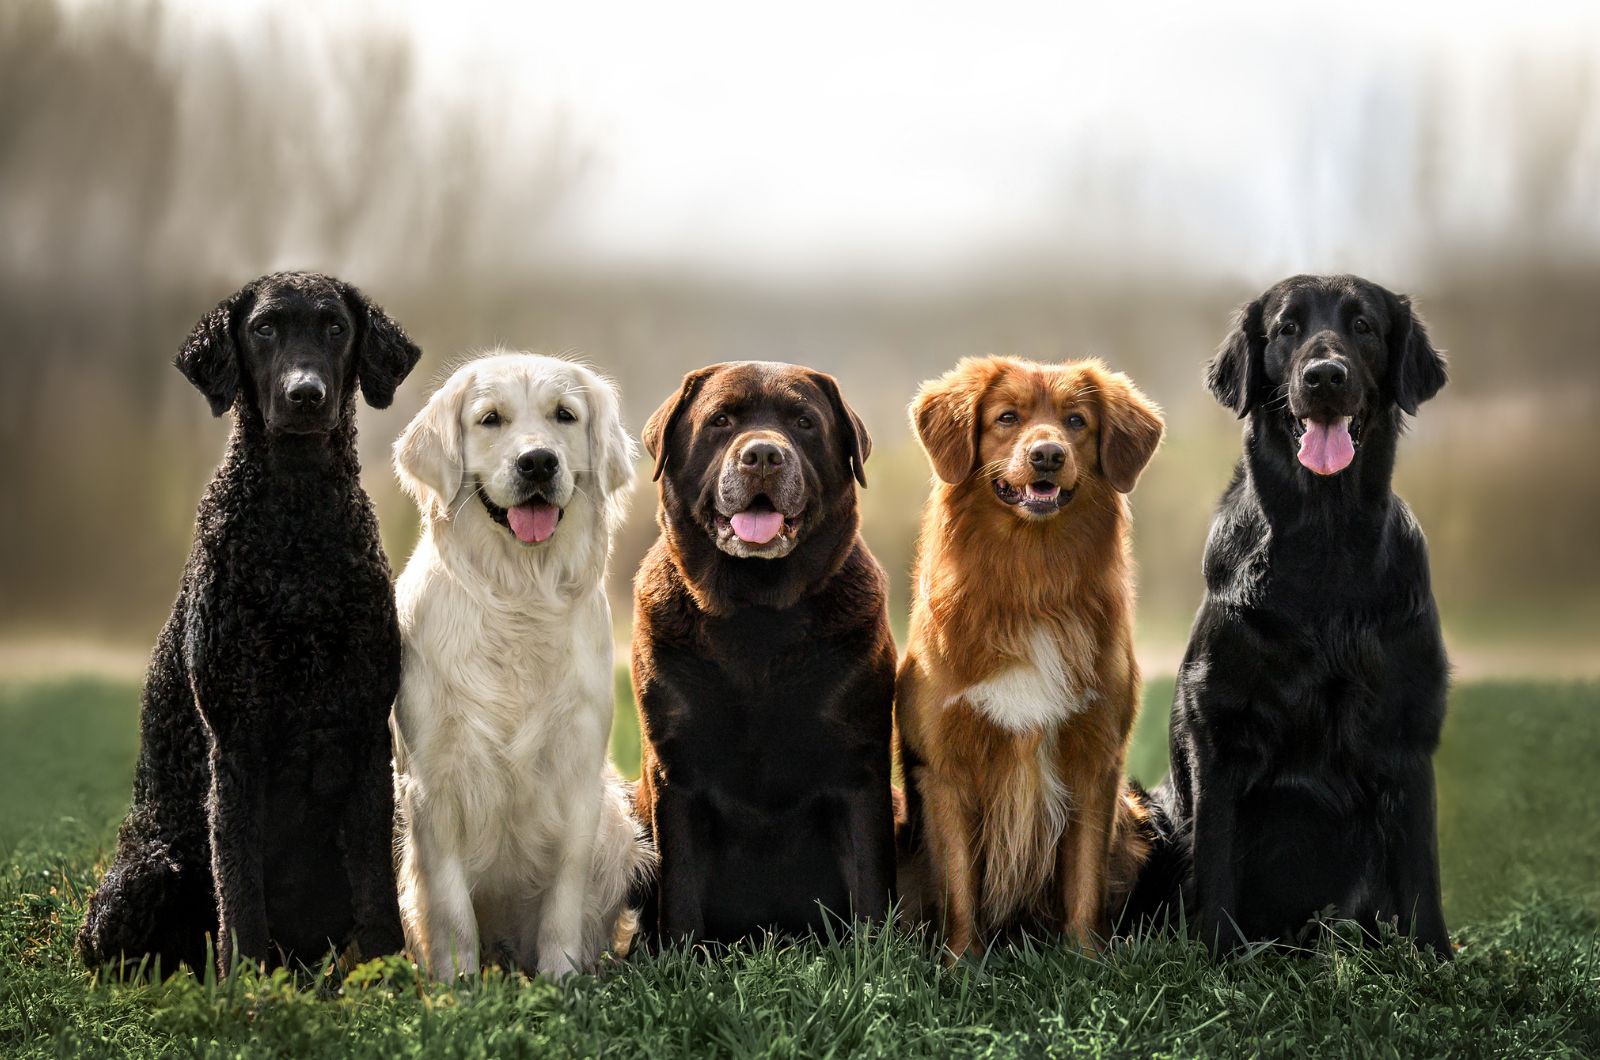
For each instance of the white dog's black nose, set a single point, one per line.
(539, 463)
(305, 391)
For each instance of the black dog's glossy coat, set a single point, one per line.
(263, 802)
(765, 687)
(1313, 691)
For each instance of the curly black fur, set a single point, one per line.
(263, 804)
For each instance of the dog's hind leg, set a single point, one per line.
(158, 899)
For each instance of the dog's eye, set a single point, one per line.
(720, 420)
(565, 415)
(1008, 418)
(489, 419)
(804, 423)
(1077, 422)
(1288, 327)
(263, 329)
(336, 329)
(1362, 327)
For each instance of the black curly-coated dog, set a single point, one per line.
(263, 806)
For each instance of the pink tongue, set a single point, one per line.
(757, 527)
(1326, 448)
(533, 522)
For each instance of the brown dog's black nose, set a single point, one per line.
(306, 391)
(760, 456)
(539, 463)
(1046, 456)
(1326, 375)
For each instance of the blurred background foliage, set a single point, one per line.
(151, 160)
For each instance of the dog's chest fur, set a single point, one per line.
(1032, 693)
(503, 710)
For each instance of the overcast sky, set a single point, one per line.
(802, 138)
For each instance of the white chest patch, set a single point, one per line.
(1031, 694)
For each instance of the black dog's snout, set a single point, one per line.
(305, 391)
(1046, 456)
(539, 463)
(1326, 375)
(760, 456)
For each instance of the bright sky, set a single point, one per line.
(797, 138)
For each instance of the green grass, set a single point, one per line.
(1520, 835)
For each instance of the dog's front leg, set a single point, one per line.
(954, 877)
(867, 852)
(561, 914)
(1413, 857)
(234, 809)
(368, 842)
(1085, 853)
(1216, 808)
(682, 881)
(440, 905)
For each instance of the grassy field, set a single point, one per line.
(1520, 834)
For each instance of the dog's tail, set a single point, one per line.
(625, 862)
(1149, 861)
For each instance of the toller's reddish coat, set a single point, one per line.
(1019, 687)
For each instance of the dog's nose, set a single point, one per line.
(1046, 456)
(1326, 375)
(539, 463)
(305, 391)
(761, 456)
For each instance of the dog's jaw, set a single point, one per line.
(1036, 500)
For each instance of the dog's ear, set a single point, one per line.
(427, 456)
(609, 442)
(1416, 369)
(945, 416)
(1130, 430)
(1237, 371)
(210, 355)
(858, 441)
(384, 354)
(658, 429)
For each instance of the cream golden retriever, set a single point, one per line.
(516, 845)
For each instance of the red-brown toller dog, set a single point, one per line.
(1019, 688)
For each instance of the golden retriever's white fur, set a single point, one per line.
(516, 842)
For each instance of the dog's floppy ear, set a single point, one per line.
(210, 355)
(427, 455)
(945, 416)
(1237, 372)
(1130, 430)
(859, 442)
(610, 443)
(658, 429)
(1416, 369)
(384, 354)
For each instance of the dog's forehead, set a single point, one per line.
(1327, 294)
(298, 290)
(1030, 382)
(754, 382)
(525, 380)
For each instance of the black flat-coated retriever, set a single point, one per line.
(1311, 698)
(263, 806)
